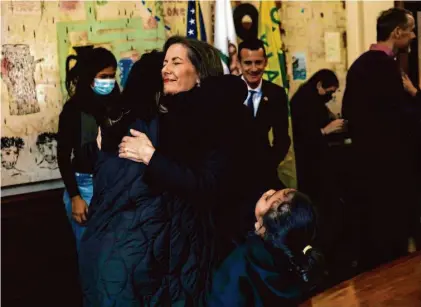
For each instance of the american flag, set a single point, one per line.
(195, 24)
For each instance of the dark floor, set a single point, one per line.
(39, 263)
(38, 253)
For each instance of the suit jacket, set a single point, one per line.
(272, 113)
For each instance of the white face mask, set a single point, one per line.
(103, 86)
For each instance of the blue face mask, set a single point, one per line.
(103, 86)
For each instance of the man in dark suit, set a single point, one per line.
(268, 104)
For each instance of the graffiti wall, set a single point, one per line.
(36, 38)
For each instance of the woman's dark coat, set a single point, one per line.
(150, 239)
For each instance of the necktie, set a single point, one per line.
(250, 102)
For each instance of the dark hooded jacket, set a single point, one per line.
(256, 276)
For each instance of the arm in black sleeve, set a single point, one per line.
(206, 177)
(417, 100)
(64, 149)
(89, 152)
(186, 181)
(281, 139)
(418, 96)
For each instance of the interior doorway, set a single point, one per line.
(411, 62)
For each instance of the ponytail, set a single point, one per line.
(309, 267)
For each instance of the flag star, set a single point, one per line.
(192, 11)
(191, 21)
(191, 32)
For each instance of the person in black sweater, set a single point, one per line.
(93, 95)
(313, 124)
(375, 104)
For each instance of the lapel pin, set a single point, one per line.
(265, 99)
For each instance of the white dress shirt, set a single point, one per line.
(256, 98)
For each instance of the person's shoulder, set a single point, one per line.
(274, 93)
(235, 261)
(371, 65)
(269, 86)
(69, 106)
(226, 83)
(226, 90)
(371, 58)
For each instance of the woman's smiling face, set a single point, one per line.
(178, 72)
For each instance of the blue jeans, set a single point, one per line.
(85, 185)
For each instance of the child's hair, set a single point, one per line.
(138, 101)
(291, 228)
(144, 85)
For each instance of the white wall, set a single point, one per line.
(361, 25)
(419, 47)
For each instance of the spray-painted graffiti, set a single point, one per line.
(68, 5)
(124, 66)
(25, 7)
(120, 35)
(47, 148)
(10, 150)
(157, 16)
(17, 69)
(101, 2)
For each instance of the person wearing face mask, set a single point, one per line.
(313, 124)
(383, 156)
(92, 89)
(278, 265)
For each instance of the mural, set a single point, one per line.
(37, 37)
(122, 36)
(17, 71)
(47, 149)
(10, 149)
(124, 65)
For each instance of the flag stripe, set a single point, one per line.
(202, 25)
(224, 31)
